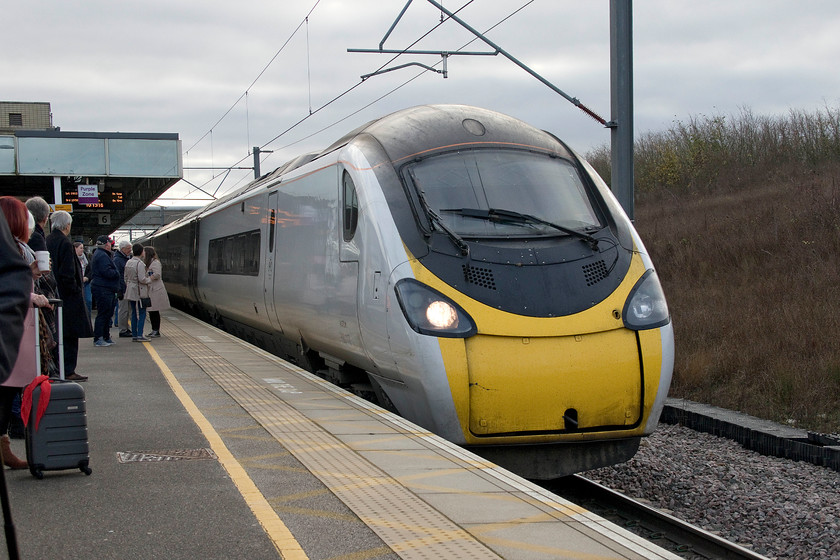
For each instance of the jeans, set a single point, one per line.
(104, 312)
(138, 319)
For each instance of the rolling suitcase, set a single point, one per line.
(56, 432)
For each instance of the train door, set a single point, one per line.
(270, 228)
(192, 247)
(348, 256)
(357, 267)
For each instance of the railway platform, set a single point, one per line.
(203, 446)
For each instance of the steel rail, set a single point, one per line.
(685, 539)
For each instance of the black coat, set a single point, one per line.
(103, 271)
(120, 259)
(68, 275)
(37, 241)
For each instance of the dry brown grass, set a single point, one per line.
(749, 257)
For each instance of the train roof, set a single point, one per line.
(411, 132)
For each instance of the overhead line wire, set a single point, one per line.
(339, 96)
(347, 91)
(263, 71)
(350, 89)
(383, 96)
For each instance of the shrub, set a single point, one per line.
(742, 219)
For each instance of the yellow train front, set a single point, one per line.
(539, 335)
(468, 269)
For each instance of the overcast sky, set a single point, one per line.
(185, 66)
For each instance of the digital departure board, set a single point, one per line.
(107, 199)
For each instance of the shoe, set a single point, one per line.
(126, 334)
(141, 339)
(109, 341)
(154, 334)
(75, 377)
(101, 343)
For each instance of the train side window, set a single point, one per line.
(351, 207)
(235, 254)
(272, 220)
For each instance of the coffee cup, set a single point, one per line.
(43, 258)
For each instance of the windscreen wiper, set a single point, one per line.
(435, 218)
(500, 215)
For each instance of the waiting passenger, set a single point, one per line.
(46, 285)
(104, 285)
(159, 295)
(25, 370)
(136, 288)
(68, 276)
(40, 210)
(121, 258)
(14, 298)
(85, 262)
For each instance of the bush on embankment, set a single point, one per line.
(741, 216)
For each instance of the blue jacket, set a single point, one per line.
(103, 271)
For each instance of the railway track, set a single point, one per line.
(665, 530)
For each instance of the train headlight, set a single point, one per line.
(430, 312)
(442, 315)
(646, 307)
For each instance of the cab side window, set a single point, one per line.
(351, 207)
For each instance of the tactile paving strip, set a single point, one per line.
(410, 526)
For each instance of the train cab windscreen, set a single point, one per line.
(503, 193)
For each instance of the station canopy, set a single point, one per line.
(103, 178)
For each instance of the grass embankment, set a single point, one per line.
(741, 216)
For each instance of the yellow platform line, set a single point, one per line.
(283, 540)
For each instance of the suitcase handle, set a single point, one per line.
(60, 322)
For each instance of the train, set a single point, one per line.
(464, 269)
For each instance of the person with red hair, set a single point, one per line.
(21, 224)
(15, 286)
(17, 216)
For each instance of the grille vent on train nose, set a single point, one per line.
(595, 272)
(479, 276)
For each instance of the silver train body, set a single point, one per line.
(469, 270)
